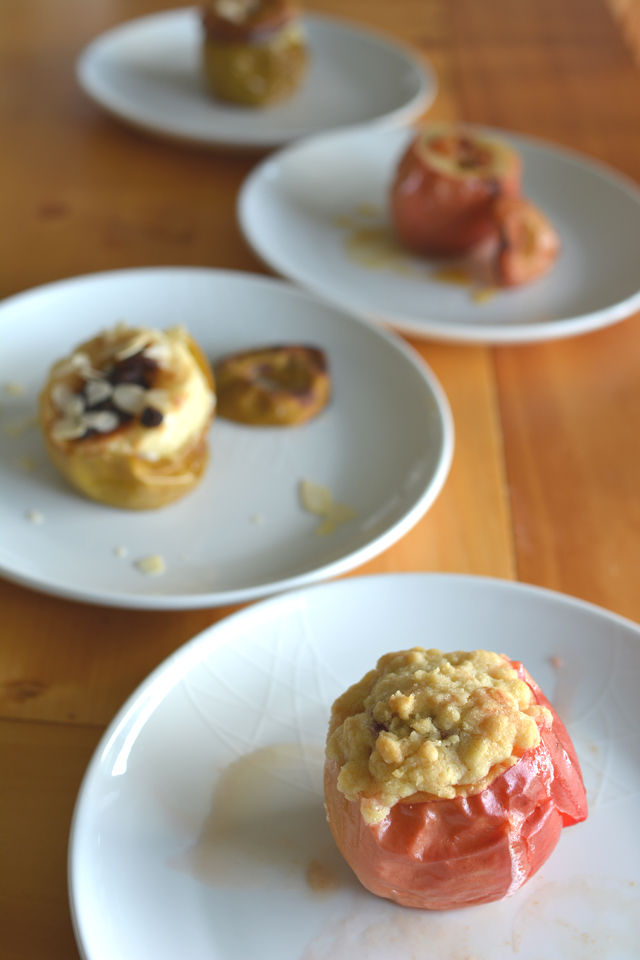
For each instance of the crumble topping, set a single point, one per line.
(430, 724)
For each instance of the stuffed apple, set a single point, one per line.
(255, 51)
(125, 416)
(448, 778)
(445, 186)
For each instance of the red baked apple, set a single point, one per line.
(442, 854)
(445, 187)
(527, 242)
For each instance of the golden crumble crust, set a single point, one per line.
(426, 724)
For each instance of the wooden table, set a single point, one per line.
(545, 479)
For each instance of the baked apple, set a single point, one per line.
(125, 417)
(255, 51)
(273, 386)
(445, 186)
(448, 778)
(527, 243)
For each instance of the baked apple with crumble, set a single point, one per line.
(448, 778)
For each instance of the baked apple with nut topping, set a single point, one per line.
(125, 417)
(445, 187)
(255, 51)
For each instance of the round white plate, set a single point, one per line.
(308, 211)
(201, 812)
(147, 72)
(382, 446)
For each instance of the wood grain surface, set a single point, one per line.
(546, 472)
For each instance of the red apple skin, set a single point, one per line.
(446, 854)
(527, 242)
(439, 214)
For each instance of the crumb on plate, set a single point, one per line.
(28, 464)
(14, 389)
(318, 499)
(152, 565)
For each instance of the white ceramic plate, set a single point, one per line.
(201, 811)
(147, 72)
(383, 447)
(315, 209)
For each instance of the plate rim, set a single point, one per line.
(440, 330)
(335, 568)
(420, 102)
(206, 641)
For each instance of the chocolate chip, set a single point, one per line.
(151, 417)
